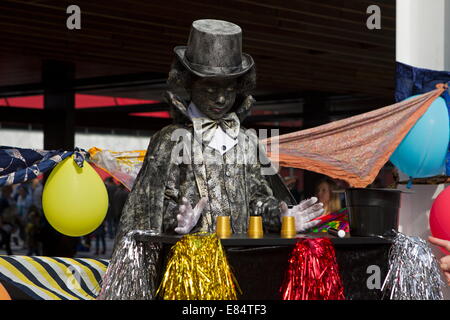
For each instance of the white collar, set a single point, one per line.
(221, 141)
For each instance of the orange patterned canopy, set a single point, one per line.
(353, 149)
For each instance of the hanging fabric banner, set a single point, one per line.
(353, 149)
(19, 165)
(122, 165)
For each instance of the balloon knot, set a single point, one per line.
(80, 155)
(410, 183)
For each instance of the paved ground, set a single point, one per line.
(91, 253)
(19, 250)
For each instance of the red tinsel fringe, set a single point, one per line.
(313, 273)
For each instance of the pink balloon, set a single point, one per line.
(440, 217)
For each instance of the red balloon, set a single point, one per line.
(440, 217)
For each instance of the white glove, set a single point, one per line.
(304, 212)
(188, 217)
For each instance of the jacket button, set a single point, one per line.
(224, 148)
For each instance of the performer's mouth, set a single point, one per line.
(217, 110)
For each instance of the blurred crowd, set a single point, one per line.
(23, 223)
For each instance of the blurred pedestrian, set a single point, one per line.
(33, 230)
(36, 194)
(334, 216)
(4, 199)
(100, 235)
(8, 217)
(6, 229)
(23, 203)
(117, 204)
(111, 187)
(326, 193)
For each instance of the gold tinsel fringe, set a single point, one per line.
(198, 269)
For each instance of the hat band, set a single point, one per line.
(210, 69)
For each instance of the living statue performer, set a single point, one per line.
(220, 171)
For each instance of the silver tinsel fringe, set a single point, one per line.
(132, 271)
(414, 272)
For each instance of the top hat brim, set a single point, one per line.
(212, 72)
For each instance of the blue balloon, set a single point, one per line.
(422, 152)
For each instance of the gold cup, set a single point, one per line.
(223, 226)
(288, 227)
(255, 227)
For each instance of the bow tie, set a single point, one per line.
(205, 128)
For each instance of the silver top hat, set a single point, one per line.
(214, 50)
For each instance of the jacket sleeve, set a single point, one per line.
(171, 200)
(143, 209)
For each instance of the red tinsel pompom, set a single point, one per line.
(313, 272)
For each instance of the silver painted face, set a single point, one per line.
(213, 96)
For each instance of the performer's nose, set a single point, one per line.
(220, 99)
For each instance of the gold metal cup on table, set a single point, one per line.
(255, 227)
(288, 227)
(223, 226)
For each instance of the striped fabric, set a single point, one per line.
(19, 165)
(45, 278)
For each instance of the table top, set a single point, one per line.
(272, 239)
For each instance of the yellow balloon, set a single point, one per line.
(74, 199)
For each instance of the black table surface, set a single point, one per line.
(253, 259)
(272, 239)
